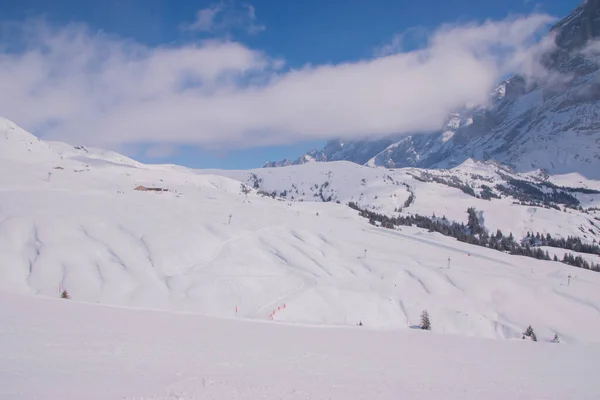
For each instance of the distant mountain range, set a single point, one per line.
(529, 125)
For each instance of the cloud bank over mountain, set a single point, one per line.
(74, 84)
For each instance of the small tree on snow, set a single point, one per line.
(556, 339)
(425, 323)
(65, 295)
(529, 333)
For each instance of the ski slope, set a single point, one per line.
(211, 246)
(57, 349)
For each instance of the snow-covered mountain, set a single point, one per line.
(71, 219)
(546, 121)
(487, 186)
(359, 152)
(278, 283)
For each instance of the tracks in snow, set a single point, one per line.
(394, 233)
(217, 252)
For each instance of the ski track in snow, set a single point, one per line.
(445, 247)
(419, 280)
(578, 300)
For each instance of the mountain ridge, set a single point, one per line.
(546, 124)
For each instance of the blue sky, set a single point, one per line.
(300, 32)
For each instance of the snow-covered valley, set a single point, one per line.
(71, 219)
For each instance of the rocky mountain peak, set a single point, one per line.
(579, 27)
(550, 122)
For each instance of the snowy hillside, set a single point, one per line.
(210, 245)
(545, 121)
(439, 192)
(55, 349)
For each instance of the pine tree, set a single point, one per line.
(556, 339)
(530, 334)
(473, 221)
(425, 323)
(65, 295)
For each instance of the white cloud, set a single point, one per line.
(205, 19)
(225, 16)
(101, 90)
(416, 36)
(592, 51)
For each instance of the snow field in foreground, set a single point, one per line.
(55, 349)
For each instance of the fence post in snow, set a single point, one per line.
(448, 262)
(229, 219)
(365, 253)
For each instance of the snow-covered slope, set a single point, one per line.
(64, 350)
(210, 245)
(436, 192)
(19, 145)
(546, 122)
